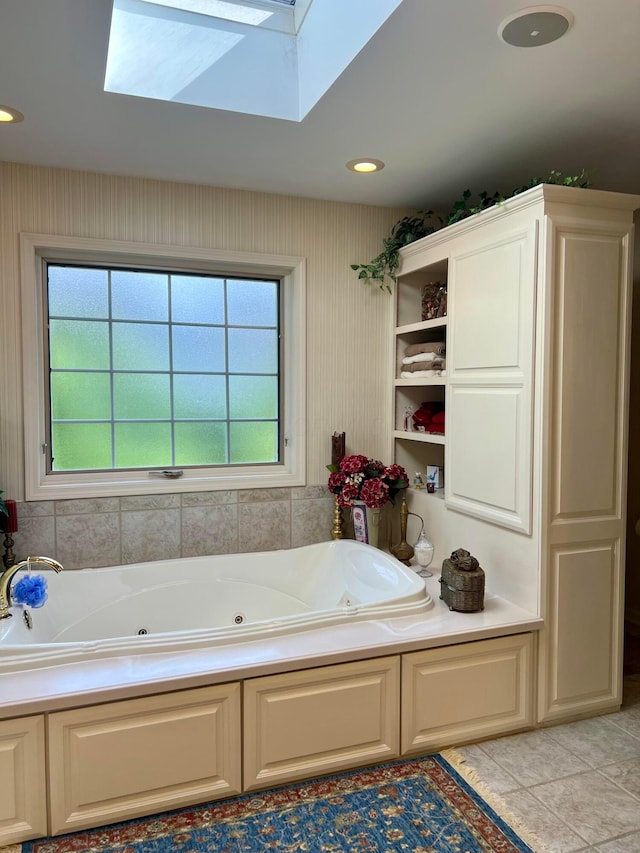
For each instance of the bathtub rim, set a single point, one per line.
(168, 642)
(72, 685)
(415, 600)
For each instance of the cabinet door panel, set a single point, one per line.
(141, 756)
(488, 454)
(23, 808)
(580, 645)
(586, 368)
(462, 692)
(318, 721)
(492, 307)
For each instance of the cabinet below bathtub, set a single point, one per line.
(456, 694)
(127, 759)
(304, 724)
(23, 806)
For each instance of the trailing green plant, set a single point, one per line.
(462, 208)
(405, 231)
(382, 269)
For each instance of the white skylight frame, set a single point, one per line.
(284, 16)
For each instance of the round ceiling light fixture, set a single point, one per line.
(10, 116)
(365, 165)
(535, 26)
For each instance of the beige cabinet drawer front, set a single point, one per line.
(142, 756)
(23, 805)
(460, 693)
(321, 720)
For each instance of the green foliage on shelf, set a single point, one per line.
(382, 269)
(384, 265)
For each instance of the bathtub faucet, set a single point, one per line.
(7, 575)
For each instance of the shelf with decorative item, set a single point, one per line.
(420, 349)
(422, 295)
(415, 455)
(419, 405)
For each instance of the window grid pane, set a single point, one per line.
(141, 348)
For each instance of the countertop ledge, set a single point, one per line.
(93, 681)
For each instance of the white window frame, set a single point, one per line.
(35, 249)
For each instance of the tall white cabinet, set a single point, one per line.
(536, 401)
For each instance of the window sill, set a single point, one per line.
(58, 487)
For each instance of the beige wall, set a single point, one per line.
(347, 335)
(348, 345)
(348, 324)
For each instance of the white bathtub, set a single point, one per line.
(202, 601)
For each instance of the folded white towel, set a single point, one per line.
(422, 356)
(416, 374)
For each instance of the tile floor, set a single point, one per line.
(576, 785)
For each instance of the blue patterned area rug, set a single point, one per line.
(418, 805)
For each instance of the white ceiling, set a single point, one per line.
(435, 94)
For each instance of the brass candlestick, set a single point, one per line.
(9, 557)
(337, 529)
(338, 449)
(403, 551)
(9, 525)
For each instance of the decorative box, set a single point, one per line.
(462, 582)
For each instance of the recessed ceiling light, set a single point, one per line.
(9, 116)
(535, 26)
(365, 164)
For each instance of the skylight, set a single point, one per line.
(261, 57)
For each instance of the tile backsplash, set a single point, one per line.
(115, 531)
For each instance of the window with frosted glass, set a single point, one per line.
(156, 369)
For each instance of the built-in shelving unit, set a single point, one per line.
(414, 449)
(531, 285)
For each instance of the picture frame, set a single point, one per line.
(360, 527)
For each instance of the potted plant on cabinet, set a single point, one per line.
(382, 269)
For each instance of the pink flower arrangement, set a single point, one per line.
(358, 479)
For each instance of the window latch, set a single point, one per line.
(170, 474)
